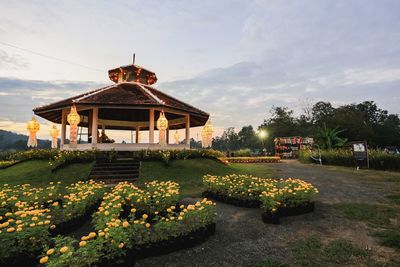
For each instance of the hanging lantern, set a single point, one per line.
(162, 126)
(73, 119)
(54, 135)
(176, 137)
(206, 134)
(33, 127)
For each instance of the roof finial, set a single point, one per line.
(133, 59)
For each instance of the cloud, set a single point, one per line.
(13, 61)
(18, 97)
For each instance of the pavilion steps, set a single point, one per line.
(122, 169)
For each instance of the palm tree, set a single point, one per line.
(328, 138)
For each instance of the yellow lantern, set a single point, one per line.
(206, 134)
(162, 122)
(54, 135)
(162, 126)
(73, 119)
(33, 127)
(176, 137)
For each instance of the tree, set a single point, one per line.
(328, 138)
(248, 138)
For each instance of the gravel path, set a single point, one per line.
(242, 239)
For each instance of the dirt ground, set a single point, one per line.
(242, 239)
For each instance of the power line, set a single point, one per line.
(50, 57)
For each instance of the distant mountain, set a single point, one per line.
(14, 141)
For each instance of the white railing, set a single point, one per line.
(125, 147)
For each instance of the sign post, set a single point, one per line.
(360, 154)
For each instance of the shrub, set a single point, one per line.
(378, 159)
(7, 163)
(272, 193)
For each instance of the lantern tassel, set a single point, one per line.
(32, 141)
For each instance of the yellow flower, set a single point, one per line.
(133, 210)
(52, 227)
(125, 224)
(145, 216)
(55, 204)
(101, 234)
(11, 229)
(147, 225)
(121, 245)
(82, 243)
(50, 251)
(64, 249)
(92, 235)
(44, 260)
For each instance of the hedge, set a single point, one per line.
(378, 159)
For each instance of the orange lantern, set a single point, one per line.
(73, 119)
(162, 126)
(33, 127)
(54, 135)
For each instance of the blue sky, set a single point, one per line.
(233, 59)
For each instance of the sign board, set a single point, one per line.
(360, 154)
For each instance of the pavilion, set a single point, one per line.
(131, 103)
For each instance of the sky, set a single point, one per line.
(232, 59)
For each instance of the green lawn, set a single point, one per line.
(189, 173)
(37, 172)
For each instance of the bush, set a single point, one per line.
(242, 153)
(272, 193)
(378, 159)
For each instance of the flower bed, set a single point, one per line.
(132, 222)
(8, 163)
(277, 197)
(30, 214)
(251, 159)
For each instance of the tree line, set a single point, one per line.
(330, 127)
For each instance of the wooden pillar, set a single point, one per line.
(63, 126)
(95, 116)
(151, 126)
(137, 135)
(187, 123)
(167, 138)
(90, 119)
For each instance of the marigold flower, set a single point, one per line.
(44, 260)
(50, 251)
(82, 243)
(64, 249)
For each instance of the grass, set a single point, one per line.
(38, 173)
(374, 214)
(341, 252)
(383, 219)
(395, 198)
(189, 173)
(270, 263)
